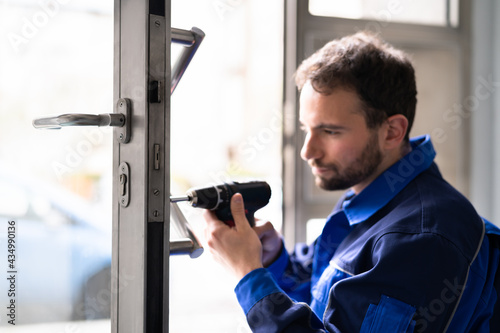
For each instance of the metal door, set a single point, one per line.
(141, 207)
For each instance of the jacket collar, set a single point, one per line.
(386, 186)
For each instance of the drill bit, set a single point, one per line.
(180, 198)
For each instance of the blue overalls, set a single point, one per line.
(407, 254)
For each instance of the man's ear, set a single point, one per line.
(396, 127)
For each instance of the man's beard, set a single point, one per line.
(362, 168)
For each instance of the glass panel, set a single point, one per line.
(226, 125)
(426, 12)
(55, 186)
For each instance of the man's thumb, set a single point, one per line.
(238, 209)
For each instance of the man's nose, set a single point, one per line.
(310, 148)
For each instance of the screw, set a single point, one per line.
(123, 201)
(156, 192)
(157, 23)
(156, 213)
(121, 136)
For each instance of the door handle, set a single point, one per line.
(120, 119)
(80, 119)
(191, 40)
(188, 243)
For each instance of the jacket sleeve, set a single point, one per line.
(292, 272)
(269, 309)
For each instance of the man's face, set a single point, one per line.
(339, 147)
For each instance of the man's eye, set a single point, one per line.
(330, 132)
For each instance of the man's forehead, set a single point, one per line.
(339, 101)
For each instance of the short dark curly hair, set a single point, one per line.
(381, 75)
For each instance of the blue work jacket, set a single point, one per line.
(407, 254)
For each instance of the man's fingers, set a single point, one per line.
(210, 217)
(263, 228)
(238, 210)
(213, 223)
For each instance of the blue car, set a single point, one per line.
(56, 251)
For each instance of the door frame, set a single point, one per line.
(140, 262)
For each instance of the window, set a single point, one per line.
(55, 186)
(425, 12)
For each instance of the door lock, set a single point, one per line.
(124, 184)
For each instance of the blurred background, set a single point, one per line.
(57, 57)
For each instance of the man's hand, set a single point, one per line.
(271, 242)
(237, 248)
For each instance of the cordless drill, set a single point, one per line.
(256, 194)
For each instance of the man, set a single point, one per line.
(402, 251)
